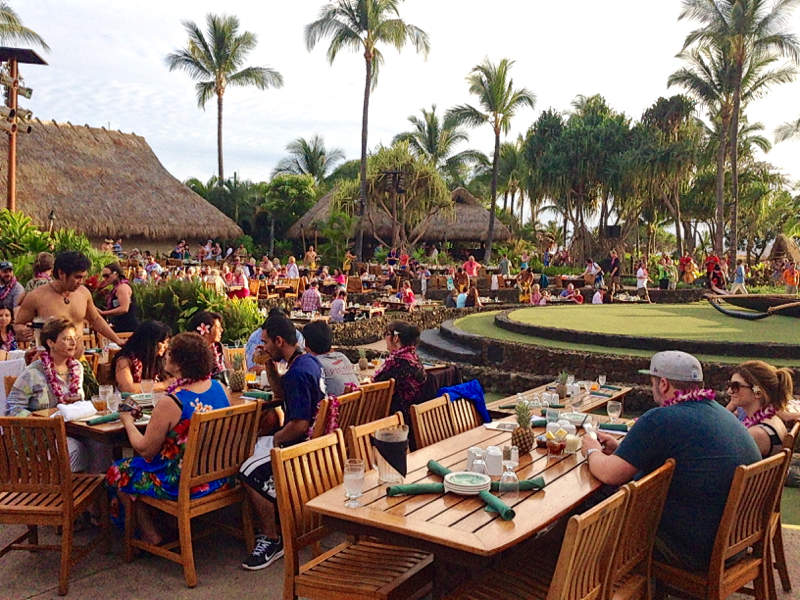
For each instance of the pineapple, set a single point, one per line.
(236, 380)
(522, 436)
(363, 363)
(561, 386)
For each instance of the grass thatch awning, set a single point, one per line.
(106, 183)
(785, 247)
(468, 223)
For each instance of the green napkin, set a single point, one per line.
(258, 394)
(126, 395)
(611, 387)
(613, 427)
(436, 468)
(415, 488)
(525, 485)
(103, 419)
(538, 422)
(507, 406)
(494, 504)
(601, 394)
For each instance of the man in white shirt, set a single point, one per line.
(641, 282)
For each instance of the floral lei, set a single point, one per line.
(9, 286)
(182, 382)
(762, 414)
(52, 378)
(11, 339)
(333, 411)
(698, 395)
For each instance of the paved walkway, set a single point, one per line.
(24, 575)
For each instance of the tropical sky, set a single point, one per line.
(106, 68)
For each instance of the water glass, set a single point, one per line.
(99, 405)
(601, 379)
(147, 386)
(510, 457)
(353, 481)
(551, 414)
(113, 403)
(570, 379)
(508, 487)
(614, 410)
(479, 466)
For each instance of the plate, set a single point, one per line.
(466, 480)
(466, 492)
(574, 418)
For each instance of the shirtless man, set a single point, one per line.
(64, 297)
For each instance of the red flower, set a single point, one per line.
(170, 449)
(113, 474)
(199, 489)
(124, 479)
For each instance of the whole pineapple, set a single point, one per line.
(522, 437)
(236, 380)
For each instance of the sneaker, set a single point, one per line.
(265, 553)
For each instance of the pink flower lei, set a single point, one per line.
(698, 395)
(52, 378)
(762, 414)
(183, 381)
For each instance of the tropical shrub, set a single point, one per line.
(18, 235)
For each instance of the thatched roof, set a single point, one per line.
(469, 221)
(106, 183)
(784, 247)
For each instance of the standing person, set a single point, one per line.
(120, 306)
(504, 265)
(404, 259)
(434, 255)
(663, 274)
(712, 260)
(592, 274)
(292, 272)
(461, 280)
(310, 258)
(142, 357)
(791, 277)
(407, 295)
(707, 443)
(524, 259)
(738, 278)
(641, 281)
(423, 274)
(42, 271)
(311, 300)
(717, 280)
(614, 274)
(8, 341)
(337, 368)
(11, 290)
(471, 268)
(402, 365)
(339, 307)
(347, 262)
(301, 388)
(672, 273)
(64, 297)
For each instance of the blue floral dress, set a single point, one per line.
(160, 476)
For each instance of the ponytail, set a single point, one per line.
(785, 387)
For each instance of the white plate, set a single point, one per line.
(500, 426)
(467, 480)
(574, 418)
(465, 492)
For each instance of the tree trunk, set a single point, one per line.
(719, 216)
(362, 194)
(505, 201)
(490, 234)
(678, 232)
(734, 141)
(272, 235)
(219, 141)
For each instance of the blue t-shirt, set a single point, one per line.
(303, 388)
(461, 300)
(707, 442)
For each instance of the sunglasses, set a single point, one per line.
(735, 386)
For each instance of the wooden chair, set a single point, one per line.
(219, 442)
(745, 524)
(632, 567)
(254, 285)
(8, 382)
(321, 419)
(777, 537)
(354, 570)
(295, 286)
(37, 488)
(581, 572)
(354, 285)
(431, 421)
(357, 436)
(464, 416)
(376, 401)
(349, 406)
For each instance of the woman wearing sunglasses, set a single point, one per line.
(758, 393)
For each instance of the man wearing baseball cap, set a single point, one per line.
(707, 443)
(11, 290)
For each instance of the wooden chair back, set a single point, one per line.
(646, 499)
(587, 552)
(431, 421)
(303, 472)
(294, 284)
(90, 340)
(357, 437)
(354, 285)
(219, 442)
(464, 416)
(790, 439)
(349, 405)
(321, 419)
(748, 510)
(254, 285)
(8, 382)
(34, 456)
(375, 402)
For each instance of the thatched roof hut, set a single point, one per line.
(469, 222)
(107, 183)
(784, 247)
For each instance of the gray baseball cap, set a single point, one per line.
(675, 365)
(5, 265)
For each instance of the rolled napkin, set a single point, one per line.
(258, 394)
(610, 387)
(525, 485)
(436, 468)
(494, 504)
(613, 427)
(601, 394)
(507, 407)
(103, 419)
(538, 422)
(76, 410)
(414, 489)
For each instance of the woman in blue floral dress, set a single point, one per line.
(156, 470)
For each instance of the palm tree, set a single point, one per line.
(787, 131)
(498, 101)
(309, 157)
(200, 188)
(434, 140)
(745, 30)
(361, 26)
(12, 29)
(214, 61)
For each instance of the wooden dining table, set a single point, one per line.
(583, 402)
(455, 528)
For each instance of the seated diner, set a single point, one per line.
(142, 358)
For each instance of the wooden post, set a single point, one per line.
(11, 102)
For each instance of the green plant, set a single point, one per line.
(562, 377)
(69, 239)
(18, 235)
(380, 254)
(241, 317)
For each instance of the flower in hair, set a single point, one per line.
(204, 329)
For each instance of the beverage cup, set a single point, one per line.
(572, 443)
(100, 404)
(494, 461)
(394, 435)
(147, 386)
(475, 452)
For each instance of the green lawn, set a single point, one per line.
(790, 506)
(483, 324)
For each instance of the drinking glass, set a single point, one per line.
(353, 481)
(147, 386)
(508, 487)
(551, 414)
(510, 457)
(601, 379)
(113, 403)
(99, 405)
(479, 466)
(105, 392)
(614, 409)
(570, 379)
